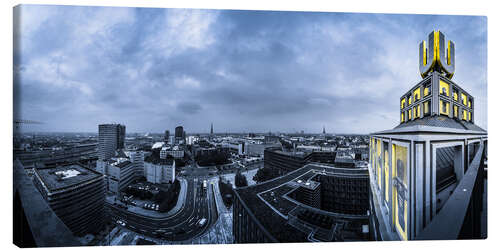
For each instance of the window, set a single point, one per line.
(416, 111)
(427, 107)
(409, 100)
(444, 107)
(455, 111)
(464, 99)
(470, 116)
(455, 95)
(464, 115)
(409, 114)
(402, 116)
(416, 94)
(444, 88)
(403, 101)
(427, 89)
(470, 103)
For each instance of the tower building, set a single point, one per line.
(179, 134)
(167, 137)
(211, 128)
(426, 174)
(111, 138)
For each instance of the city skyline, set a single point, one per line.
(245, 71)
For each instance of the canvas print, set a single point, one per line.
(155, 126)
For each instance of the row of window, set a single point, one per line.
(415, 111)
(444, 109)
(415, 96)
(444, 89)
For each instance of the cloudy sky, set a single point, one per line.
(154, 69)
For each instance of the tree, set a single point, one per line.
(263, 174)
(240, 180)
(226, 191)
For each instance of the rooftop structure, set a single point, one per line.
(75, 194)
(426, 173)
(282, 162)
(268, 212)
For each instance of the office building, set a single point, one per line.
(121, 173)
(111, 138)
(427, 173)
(282, 162)
(121, 170)
(159, 170)
(179, 134)
(167, 137)
(75, 194)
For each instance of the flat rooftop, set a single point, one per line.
(300, 154)
(61, 177)
(269, 204)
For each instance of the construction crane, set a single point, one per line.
(18, 122)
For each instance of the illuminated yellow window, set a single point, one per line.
(470, 116)
(416, 111)
(444, 107)
(464, 99)
(402, 117)
(416, 94)
(470, 103)
(464, 115)
(409, 114)
(444, 88)
(427, 107)
(409, 100)
(455, 96)
(403, 101)
(426, 91)
(455, 111)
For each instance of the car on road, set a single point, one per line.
(202, 222)
(121, 223)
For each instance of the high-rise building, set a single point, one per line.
(167, 137)
(179, 134)
(211, 128)
(120, 137)
(111, 138)
(426, 174)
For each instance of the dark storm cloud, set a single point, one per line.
(154, 69)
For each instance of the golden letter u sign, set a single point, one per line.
(436, 55)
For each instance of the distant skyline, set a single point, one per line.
(244, 71)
